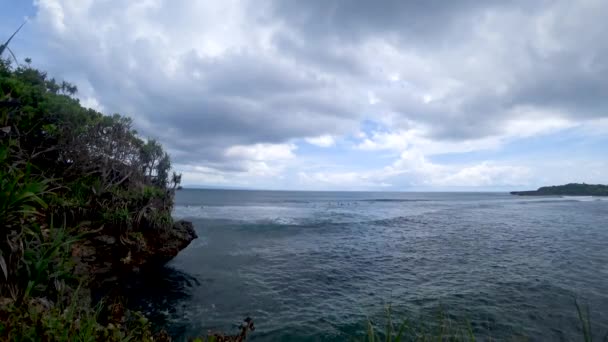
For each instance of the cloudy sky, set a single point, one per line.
(342, 95)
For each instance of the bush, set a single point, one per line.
(69, 174)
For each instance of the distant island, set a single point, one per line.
(572, 189)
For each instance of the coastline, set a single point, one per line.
(571, 189)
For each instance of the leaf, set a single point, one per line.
(584, 322)
(3, 266)
(402, 328)
(389, 324)
(370, 332)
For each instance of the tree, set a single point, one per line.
(176, 179)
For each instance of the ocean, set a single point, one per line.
(317, 266)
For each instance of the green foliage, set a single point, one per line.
(118, 217)
(99, 166)
(150, 192)
(46, 257)
(159, 219)
(206, 339)
(38, 320)
(20, 192)
(61, 162)
(443, 329)
(585, 321)
(21, 201)
(155, 163)
(584, 318)
(67, 320)
(246, 327)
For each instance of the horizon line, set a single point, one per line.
(305, 190)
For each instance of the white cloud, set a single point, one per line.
(322, 141)
(385, 141)
(412, 169)
(262, 160)
(339, 180)
(529, 121)
(193, 175)
(525, 123)
(262, 152)
(51, 13)
(91, 102)
(485, 174)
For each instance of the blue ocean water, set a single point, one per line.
(315, 266)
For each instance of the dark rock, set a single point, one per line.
(108, 259)
(162, 336)
(107, 239)
(168, 242)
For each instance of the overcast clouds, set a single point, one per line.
(343, 94)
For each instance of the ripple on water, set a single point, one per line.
(317, 266)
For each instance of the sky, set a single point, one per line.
(387, 95)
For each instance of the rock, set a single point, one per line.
(169, 242)
(162, 336)
(108, 260)
(107, 239)
(40, 305)
(6, 302)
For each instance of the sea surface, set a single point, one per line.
(316, 266)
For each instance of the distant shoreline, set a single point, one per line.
(572, 189)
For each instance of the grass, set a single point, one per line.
(446, 329)
(40, 319)
(584, 318)
(41, 298)
(67, 320)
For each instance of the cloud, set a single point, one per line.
(485, 174)
(339, 180)
(262, 152)
(252, 165)
(526, 122)
(423, 172)
(223, 88)
(413, 170)
(322, 141)
(232, 87)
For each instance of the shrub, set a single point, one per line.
(92, 173)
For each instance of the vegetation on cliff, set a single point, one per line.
(83, 200)
(572, 189)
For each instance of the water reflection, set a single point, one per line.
(159, 294)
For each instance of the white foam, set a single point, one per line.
(585, 198)
(280, 214)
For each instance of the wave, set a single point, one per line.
(234, 212)
(585, 198)
(553, 199)
(394, 200)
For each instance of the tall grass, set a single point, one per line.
(446, 329)
(584, 318)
